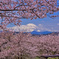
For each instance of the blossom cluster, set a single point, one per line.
(28, 45)
(12, 11)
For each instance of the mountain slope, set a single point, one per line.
(39, 33)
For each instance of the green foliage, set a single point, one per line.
(53, 58)
(48, 58)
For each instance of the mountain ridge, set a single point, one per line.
(39, 33)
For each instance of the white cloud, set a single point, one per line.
(41, 27)
(40, 24)
(57, 23)
(31, 27)
(30, 24)
(25, 28)
(38, 30)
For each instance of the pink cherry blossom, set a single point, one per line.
(12, 10)
(28, 45)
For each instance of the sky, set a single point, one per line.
(39, 25)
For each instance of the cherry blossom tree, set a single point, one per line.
(12, 11)
(25, 45)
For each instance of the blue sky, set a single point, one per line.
(43, 24)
